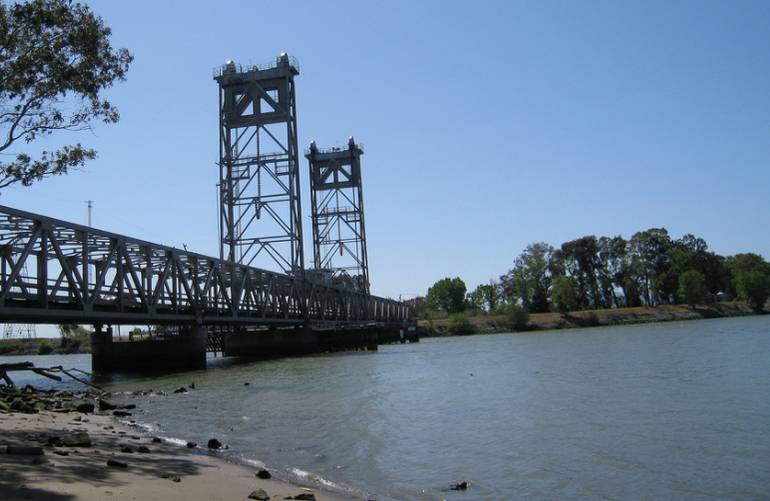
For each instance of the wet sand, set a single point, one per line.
(80, 472)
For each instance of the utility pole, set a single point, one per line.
(90, 204)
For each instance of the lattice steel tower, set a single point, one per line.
(260, 216)
(339, 234)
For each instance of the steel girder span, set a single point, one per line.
(53, 271)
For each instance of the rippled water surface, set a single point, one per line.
(664, 411)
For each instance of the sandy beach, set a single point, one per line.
(46, 456)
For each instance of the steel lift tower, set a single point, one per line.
(260, 216)
(339, 234)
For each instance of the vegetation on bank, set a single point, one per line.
(489, 324)
(650, 269)
(74, 339)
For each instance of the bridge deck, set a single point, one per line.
(52, 271)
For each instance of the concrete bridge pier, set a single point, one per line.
(270, 343)
(186, 350)
(366, 338)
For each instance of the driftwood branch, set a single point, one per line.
(49, 372)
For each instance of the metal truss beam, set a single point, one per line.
(339, 233)
(53, 271)
(259, 161)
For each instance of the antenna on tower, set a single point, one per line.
(90, 204)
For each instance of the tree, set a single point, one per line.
(563, 296)
(447, 294)
(742, 263)
(692, 287)
(530, 278)
(55, 61)
(581, 257)
(753, 287)
(486, 296)
(650, 260)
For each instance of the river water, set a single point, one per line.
(662, 411)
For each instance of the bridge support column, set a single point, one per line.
(187, 350)
(271, 343)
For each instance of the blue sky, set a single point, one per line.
(486, 125)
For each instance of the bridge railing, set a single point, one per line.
(55, 271)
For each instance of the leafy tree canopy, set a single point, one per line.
(754, 287)
(447, 294)
(55, 62)
(563, 295)
(692, 287)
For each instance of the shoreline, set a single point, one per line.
(63, 455)
(498, 324)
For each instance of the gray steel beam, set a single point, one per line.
(337, 213)
(259, 162)
(54, 271)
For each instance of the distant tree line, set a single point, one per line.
(593, 272)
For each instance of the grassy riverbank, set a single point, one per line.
(488, 324)
(46, 346)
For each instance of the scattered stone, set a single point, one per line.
(181, 389)
(143, 449)
(106, 405)
(80, 439)
(85, 408)
(305, 496)
(192, 385)
(61, 453)
(129, 406)
(3, 449)
(120, 413)
(157, 440)
(214, 444)
(127, 449)
(264, 474)
(191, 445)
(259, 494)
(57, 441)
(173, 478)
(24, 450)
(78, 419)
(39, 460)
(116, 464)
(246, 384)
(460, 487)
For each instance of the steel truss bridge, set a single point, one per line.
(52, 271)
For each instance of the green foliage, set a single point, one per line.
(74, 338)
(516, 317)
(741, 263)
(530, 279)
(692, 287)
(753, 287)
(447, 294)
(581, 259)
(589, 272)
(44, 348)
(56, 63)
(9, 348)
(563, 296)
(458, 324)
(649, 255)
